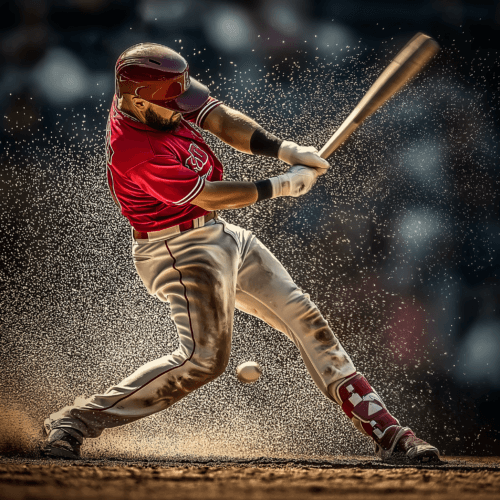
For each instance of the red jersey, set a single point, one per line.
(153, 176)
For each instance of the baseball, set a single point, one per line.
(248, 372)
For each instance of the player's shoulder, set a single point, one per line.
(199, 115)
(133, 144)
(130, 147)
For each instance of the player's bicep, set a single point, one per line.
(214, 121)
(232, 127)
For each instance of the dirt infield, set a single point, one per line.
(265, 478)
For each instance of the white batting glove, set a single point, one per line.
(293, 154)
(297, 181)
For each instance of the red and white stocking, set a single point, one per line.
(368, 413)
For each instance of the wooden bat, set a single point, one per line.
(408, 62)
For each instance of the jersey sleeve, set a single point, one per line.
(167, 180)
(198, 117)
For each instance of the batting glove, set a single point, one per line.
(293, 154)
(296, 182)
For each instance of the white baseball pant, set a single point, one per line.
(205, 273)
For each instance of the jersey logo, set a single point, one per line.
(197, 159)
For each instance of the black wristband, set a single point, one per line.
(265, 144)
(264, 189)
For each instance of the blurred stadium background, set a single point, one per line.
(57, 58)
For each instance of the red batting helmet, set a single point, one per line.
(159, 75)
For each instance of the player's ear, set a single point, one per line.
(139, 103)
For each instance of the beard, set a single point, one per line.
(154, 120)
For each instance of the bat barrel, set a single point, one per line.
(408, 62)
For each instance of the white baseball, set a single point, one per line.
(248, 372)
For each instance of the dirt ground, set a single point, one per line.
(265, 478)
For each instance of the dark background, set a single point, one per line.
(420, 258)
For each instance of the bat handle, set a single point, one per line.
(345, 130)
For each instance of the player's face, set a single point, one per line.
(162, 119)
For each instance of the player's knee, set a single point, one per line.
(314, 324)
(217, 363)
(311, 316)
(213, 362)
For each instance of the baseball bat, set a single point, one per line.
(408, 62)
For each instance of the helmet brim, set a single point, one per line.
(194, 97)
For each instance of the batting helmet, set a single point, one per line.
(159, 75)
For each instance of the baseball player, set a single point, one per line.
(169, 185)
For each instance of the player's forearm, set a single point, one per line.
(223, 195)
(246, 135)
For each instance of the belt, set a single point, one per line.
(169, 231)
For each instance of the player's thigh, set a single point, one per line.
(263, 277)
(196, 273)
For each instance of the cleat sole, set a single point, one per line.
(427, 455)
(57, 452)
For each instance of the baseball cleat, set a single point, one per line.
(400, 442)
(62, 444)
(417, 449)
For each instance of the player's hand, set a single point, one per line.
(296, 182)
(294, 154)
